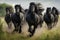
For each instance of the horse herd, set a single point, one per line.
(33, 16)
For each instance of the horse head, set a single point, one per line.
(32, 7)
(48, 11)
(17, 9)
(8, 10)
(55, 11)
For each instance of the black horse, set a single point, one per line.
(39, 12)
(56, 15)
(49, 18)
(17, 18)
(9, 12)
(32, 18)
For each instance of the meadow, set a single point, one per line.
(40, 34)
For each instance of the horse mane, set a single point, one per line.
(56, 10)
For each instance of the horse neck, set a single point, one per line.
(9, 14)
(48, 14)
(17, 13)
(32, 13)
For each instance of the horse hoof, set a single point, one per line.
(49, 28)
(30, 35)
(30, 31)
(20, 31)
(40, 26)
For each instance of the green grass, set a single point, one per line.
(53, 34)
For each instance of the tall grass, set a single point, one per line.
(1, 32)
(10, 36)
(49, 36)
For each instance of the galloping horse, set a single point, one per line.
(17, 18)
(9, 12)
(39, 12)
(32, 18)
(55, 14)
(49, 18)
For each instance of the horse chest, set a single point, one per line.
(16, 19)
(7, 18)
(48, 18)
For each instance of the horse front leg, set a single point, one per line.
(10, 25)
(41, 24)
(30, 29)
(20, 29)
(49, 26)
(16, 29)
(41, 21)
(33, 31)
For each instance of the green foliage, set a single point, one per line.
(1, 32)
(1, 26)
(2, 9)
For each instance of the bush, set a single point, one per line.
(2, 9)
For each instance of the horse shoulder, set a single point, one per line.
(37, 17)
(21, 16)
(52, 17)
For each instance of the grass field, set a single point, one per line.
(40, 34)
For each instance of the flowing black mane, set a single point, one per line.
(56, 10)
